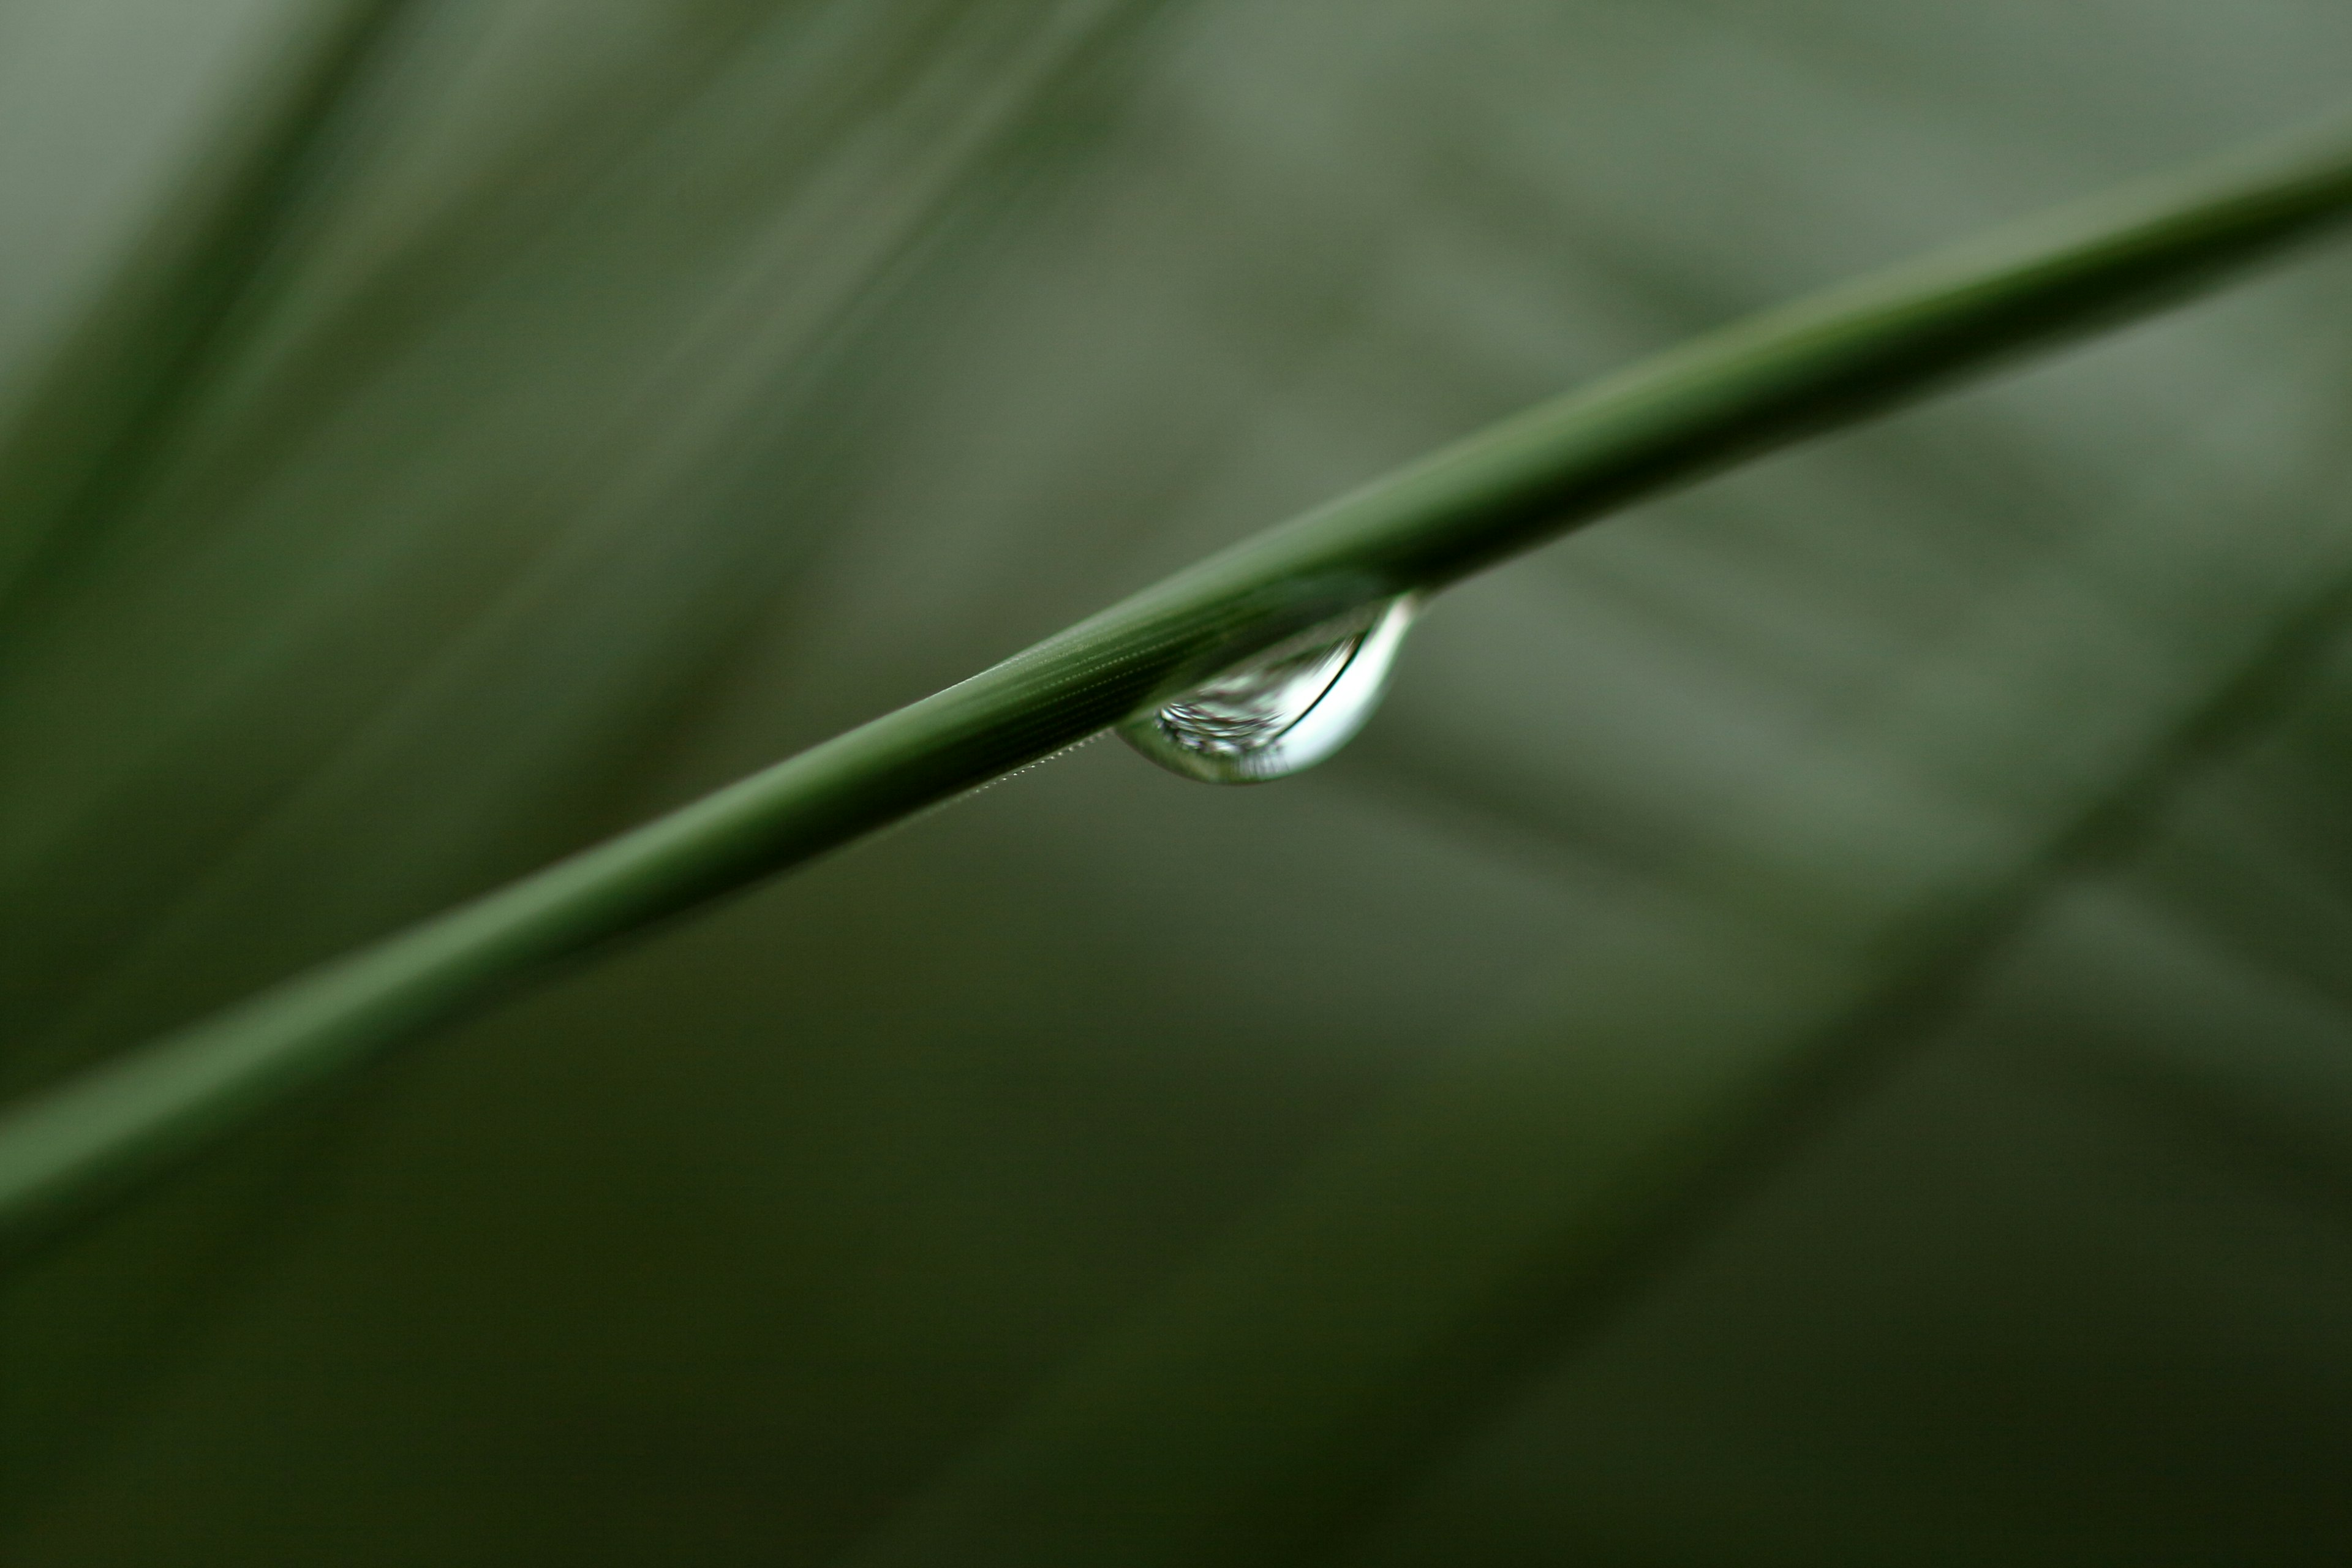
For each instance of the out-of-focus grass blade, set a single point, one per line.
(501, 459)
(1841, 356)
(574, 657)
(91, 430)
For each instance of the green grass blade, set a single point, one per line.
(94, 427)
(1493, 1214)
(1832, 359)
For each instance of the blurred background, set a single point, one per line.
(1814, 1029)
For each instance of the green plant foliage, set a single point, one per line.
(1847, 354)
(1812, 1025)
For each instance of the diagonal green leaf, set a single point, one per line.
(1837, 358)
(1493, 1212)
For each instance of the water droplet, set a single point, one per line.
(1281, 710)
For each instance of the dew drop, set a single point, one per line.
(1281, 710)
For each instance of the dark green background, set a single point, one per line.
(608, 396)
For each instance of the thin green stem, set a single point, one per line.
(1833, 360)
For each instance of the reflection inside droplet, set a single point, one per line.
(1281, 710)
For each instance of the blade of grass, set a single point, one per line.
(623, 600)
(92, 428)
(1493, 1214)
(1836, 358)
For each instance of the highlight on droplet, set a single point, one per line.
(1281, 710)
